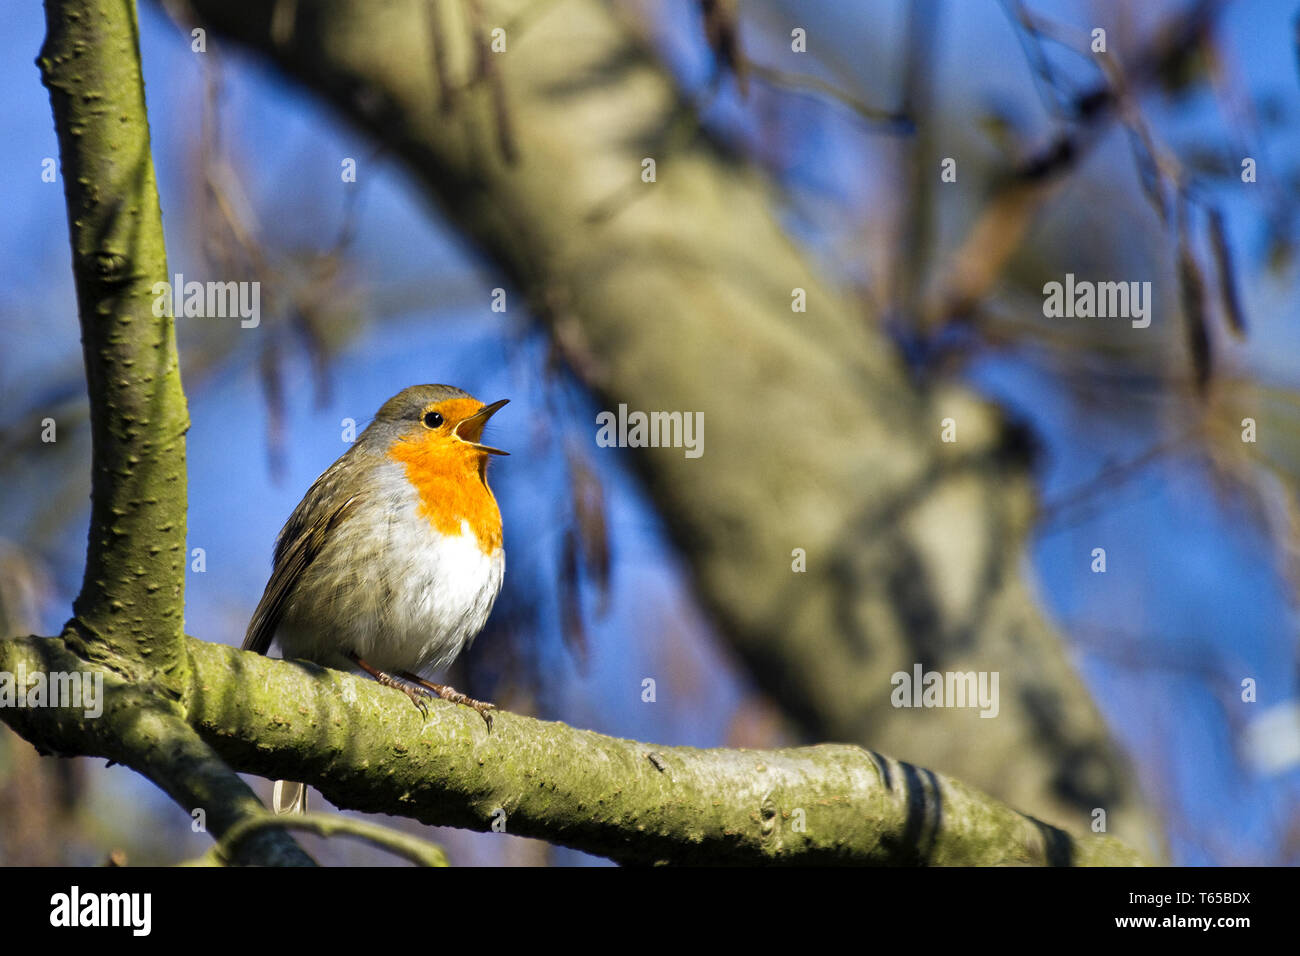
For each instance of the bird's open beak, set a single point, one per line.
(471, 429)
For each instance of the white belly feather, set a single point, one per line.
(408, 598)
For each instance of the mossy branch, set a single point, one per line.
(366, 748)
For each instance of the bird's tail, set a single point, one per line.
(289, 797)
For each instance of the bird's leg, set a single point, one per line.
(417, 694)
(447, 692)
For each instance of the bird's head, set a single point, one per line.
(438, 426)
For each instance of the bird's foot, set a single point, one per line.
(417, 694)
(447, 692)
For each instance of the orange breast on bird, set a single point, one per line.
(451, 479)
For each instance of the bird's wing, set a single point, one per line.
(300, 542)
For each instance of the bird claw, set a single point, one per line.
(451, 694)
(483, 707)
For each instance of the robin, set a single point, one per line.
(393, 559)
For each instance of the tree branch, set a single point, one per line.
(145, 732)
(366, 748)
(420, 852)
(131, 606)
(129, 616)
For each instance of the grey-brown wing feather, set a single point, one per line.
(300, 542)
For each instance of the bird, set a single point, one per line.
(394, 558)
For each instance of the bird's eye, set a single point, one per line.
(432, 419)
